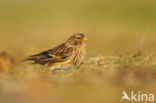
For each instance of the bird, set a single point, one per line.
(6, 61)
(69, 54)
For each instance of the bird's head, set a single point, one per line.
(77, 39)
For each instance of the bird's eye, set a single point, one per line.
(78, 38)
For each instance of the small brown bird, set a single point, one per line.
(69, 54)
(6, 61)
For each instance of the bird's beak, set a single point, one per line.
(85, 39)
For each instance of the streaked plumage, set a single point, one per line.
(69, 54)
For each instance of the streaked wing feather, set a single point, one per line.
(60, 53)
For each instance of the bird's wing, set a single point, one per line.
(60, 53)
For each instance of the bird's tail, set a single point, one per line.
(31, 60)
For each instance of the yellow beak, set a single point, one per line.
(85, 39)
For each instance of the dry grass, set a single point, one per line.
(98, 80)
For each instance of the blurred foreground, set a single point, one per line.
(98, 80)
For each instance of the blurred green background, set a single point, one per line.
(30, 26)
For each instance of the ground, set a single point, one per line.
(98, 80)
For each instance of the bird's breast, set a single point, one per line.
(78, 56)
